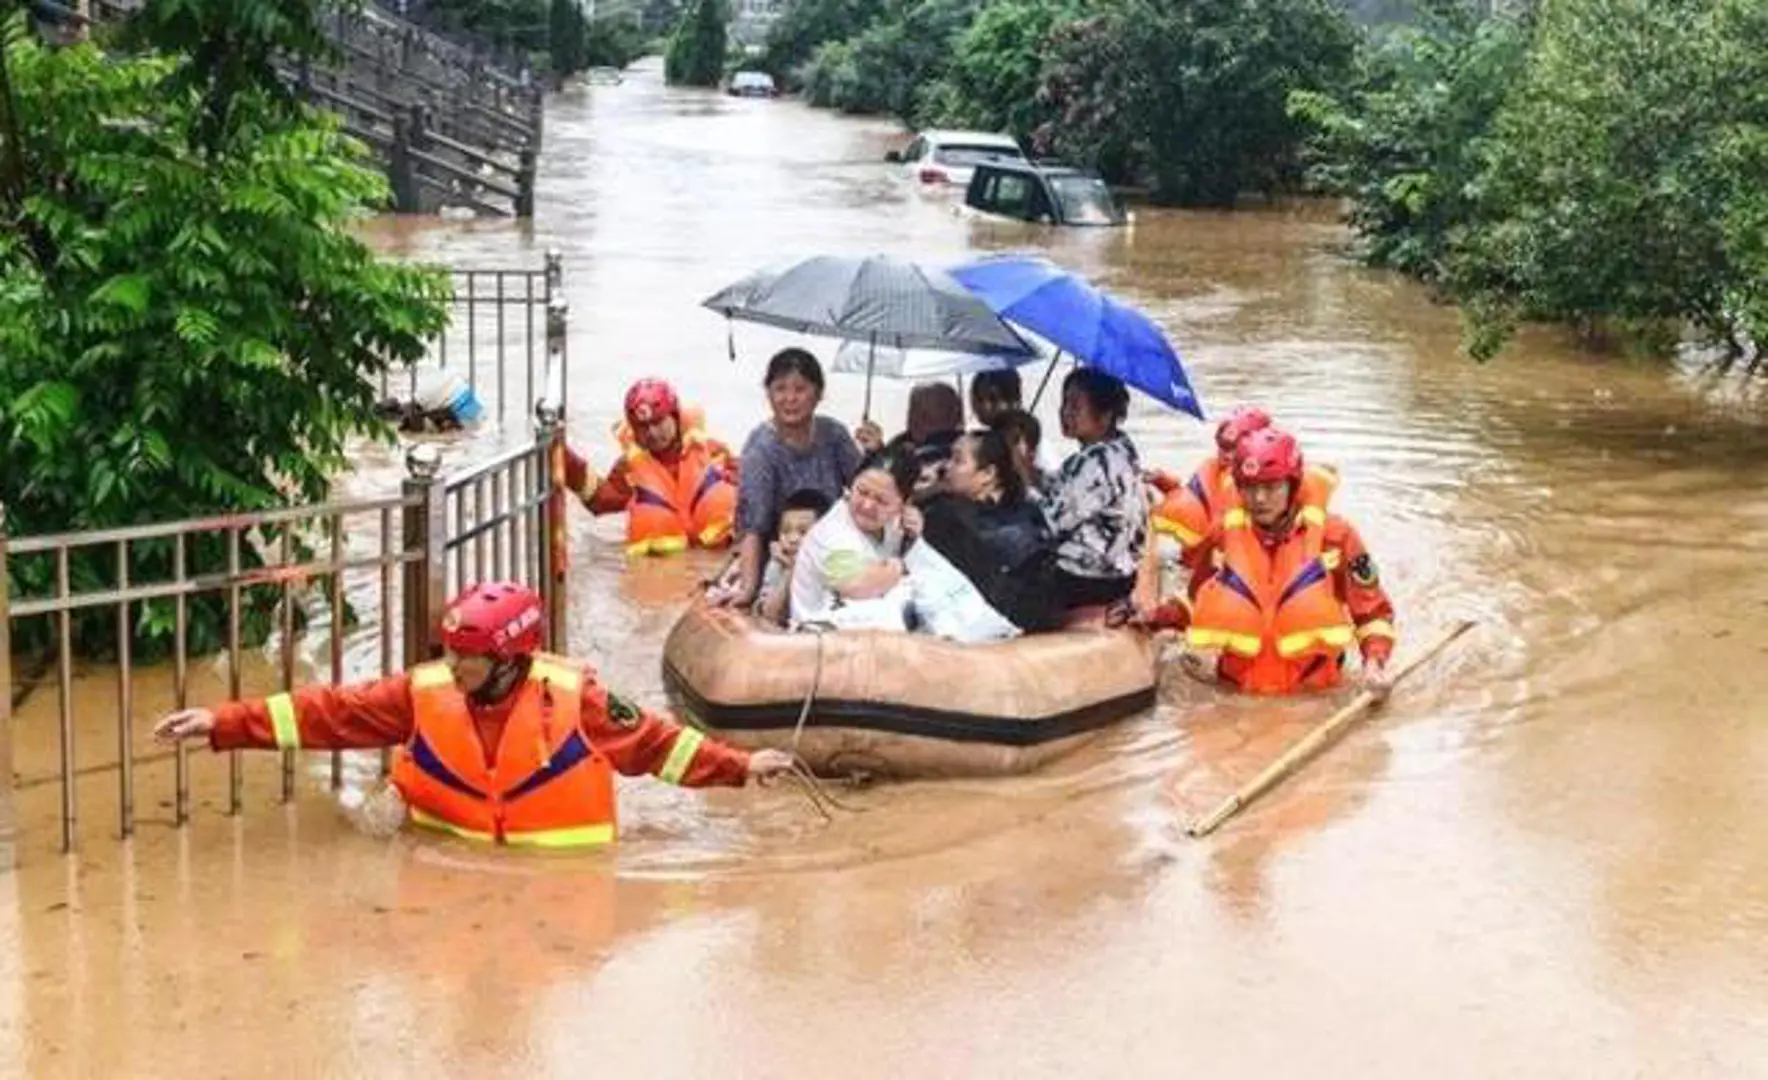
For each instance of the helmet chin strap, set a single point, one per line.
(503, 680)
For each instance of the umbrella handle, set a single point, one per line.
(865, 416)
(1049, 371)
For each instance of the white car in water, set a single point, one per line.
(950, 157)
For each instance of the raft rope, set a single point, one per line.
(801, 772)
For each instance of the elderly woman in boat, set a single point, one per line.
(853, 554)
(796, 449)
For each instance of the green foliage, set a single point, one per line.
(1409, 140)
(519, 24)
(696, 49)
(1192, 94)
(614, 42)
(187, 326)
(1624, 188)
(567, 38)
(807, 25)
(892, 62)
(997, 63)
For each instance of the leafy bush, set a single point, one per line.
(1192, 94)
(696, 50)
(187, 327)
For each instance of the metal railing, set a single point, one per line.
(398, 556)
(499, 519)
(486, 306)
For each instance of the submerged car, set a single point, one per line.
(752, 84)
(1046, 193)
(950, 157)
(603, 76)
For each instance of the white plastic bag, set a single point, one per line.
(887, 612)
(948, 604)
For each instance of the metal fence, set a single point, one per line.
(392, 559)
(500, 322)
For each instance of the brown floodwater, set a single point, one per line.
(1546, 858)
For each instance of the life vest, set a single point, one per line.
(550, 787)
(1273, 614)
(693, 503)
(1190, 511)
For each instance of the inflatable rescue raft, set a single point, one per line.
(902, 705)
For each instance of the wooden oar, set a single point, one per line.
(1305, 747)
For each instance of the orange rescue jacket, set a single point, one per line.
(1277, 616)
(549, 787)
(673, 508)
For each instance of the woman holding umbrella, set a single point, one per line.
(795, 449)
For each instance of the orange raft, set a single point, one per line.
(905, 705)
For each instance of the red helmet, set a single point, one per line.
(1243, 421)
(498, 619)
(1268, 456)
(650, 400)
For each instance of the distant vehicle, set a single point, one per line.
(752, 84)
(603, 76)
(949, 157)
(1043, 192)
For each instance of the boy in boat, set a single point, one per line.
(803, 508)
(498, 742)
(1282, 587)
(676, 485)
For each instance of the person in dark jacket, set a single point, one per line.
(988, 529)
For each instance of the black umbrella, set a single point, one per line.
(876, 299)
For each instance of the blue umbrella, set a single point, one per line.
(1077, 318)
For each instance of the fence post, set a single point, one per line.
(425, 531)
(558, 319)
(549, 440)
(525, 185)
(555, 280)
(8, 815)
(401, 169)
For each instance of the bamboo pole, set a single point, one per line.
(1305, 748)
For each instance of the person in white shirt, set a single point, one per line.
(854, 553)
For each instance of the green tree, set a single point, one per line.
(997, 63)
(807, 25)
(613, 42)
(889, 64)
(1192, 94)
(1408, 143)
(696, 49)
(1625, 187)
(567, 38)
(187, 325)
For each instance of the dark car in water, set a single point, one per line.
(1043, 192)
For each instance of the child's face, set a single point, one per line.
(793, 525)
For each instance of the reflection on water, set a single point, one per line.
(1542, 859)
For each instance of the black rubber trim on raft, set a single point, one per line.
(908, 720)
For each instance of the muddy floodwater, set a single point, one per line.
(1548, 857)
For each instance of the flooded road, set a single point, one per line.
(1546, 858)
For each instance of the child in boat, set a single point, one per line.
(802, 509)
(1023, 434)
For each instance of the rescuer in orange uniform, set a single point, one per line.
(498, 742)
(1187, 512)
(676, 485)
(1283, 587)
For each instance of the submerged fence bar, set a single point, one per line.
(500, 322)
(439, 534)
(396, 558)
